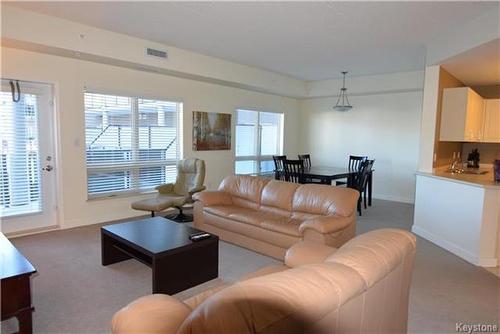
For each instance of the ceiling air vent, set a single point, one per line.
(156, 53)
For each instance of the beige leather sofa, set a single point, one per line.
(363, 287)
(269, 216)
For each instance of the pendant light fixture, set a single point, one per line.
(343, 102)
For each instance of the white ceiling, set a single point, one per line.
(477, 67)
(306, 40)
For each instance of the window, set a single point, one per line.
(20, 189)
(133, 144)
(259, 136)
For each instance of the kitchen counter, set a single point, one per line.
(460, 213)
(478, 180)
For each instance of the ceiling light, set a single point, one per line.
(343, 102)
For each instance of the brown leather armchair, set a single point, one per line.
(190, 178)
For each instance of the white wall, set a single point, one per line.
(384, 127)
(58, 36)
(428, 124)
(70, 76)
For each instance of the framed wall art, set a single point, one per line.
(211, 131)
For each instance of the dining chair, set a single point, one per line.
(360, 181)
(307, 160)
(365, 185)
(279, 167)
(294, 171)
(355, 161)
(354, 165)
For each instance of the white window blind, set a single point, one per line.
(133, 144)
(259, 136)
(20, 191)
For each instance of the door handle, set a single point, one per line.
(48, 168)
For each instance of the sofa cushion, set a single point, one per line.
(303, 216)
(274, 211)
(243, 215)
(209, 198)
(279, 194)
(245, 190)
(325, 200)
(159, 203)
(251, 231)
(285, 226)
(227, 210)
(256, 217)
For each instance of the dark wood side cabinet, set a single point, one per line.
(15, 276)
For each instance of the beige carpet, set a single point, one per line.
(73, 293)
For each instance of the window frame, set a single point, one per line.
(258, 157)
(133, 166)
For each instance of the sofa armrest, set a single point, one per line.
(165, 188)
(157, 313)
(326, 224)
(305, 252)
(213, 198)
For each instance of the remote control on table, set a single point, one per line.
(199, 236)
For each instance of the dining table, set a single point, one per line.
(328, 174)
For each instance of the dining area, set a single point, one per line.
(357, 174)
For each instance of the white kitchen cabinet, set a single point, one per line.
(462, 115)
(491, 130)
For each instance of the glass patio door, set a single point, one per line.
(27, 173)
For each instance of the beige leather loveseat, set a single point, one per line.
(363, 287)
(269, 216)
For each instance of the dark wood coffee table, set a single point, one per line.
(177, 262)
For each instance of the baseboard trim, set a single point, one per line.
(488, 262)
(113, 217)
(22, 233)
(455, 249)
(394, 198)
